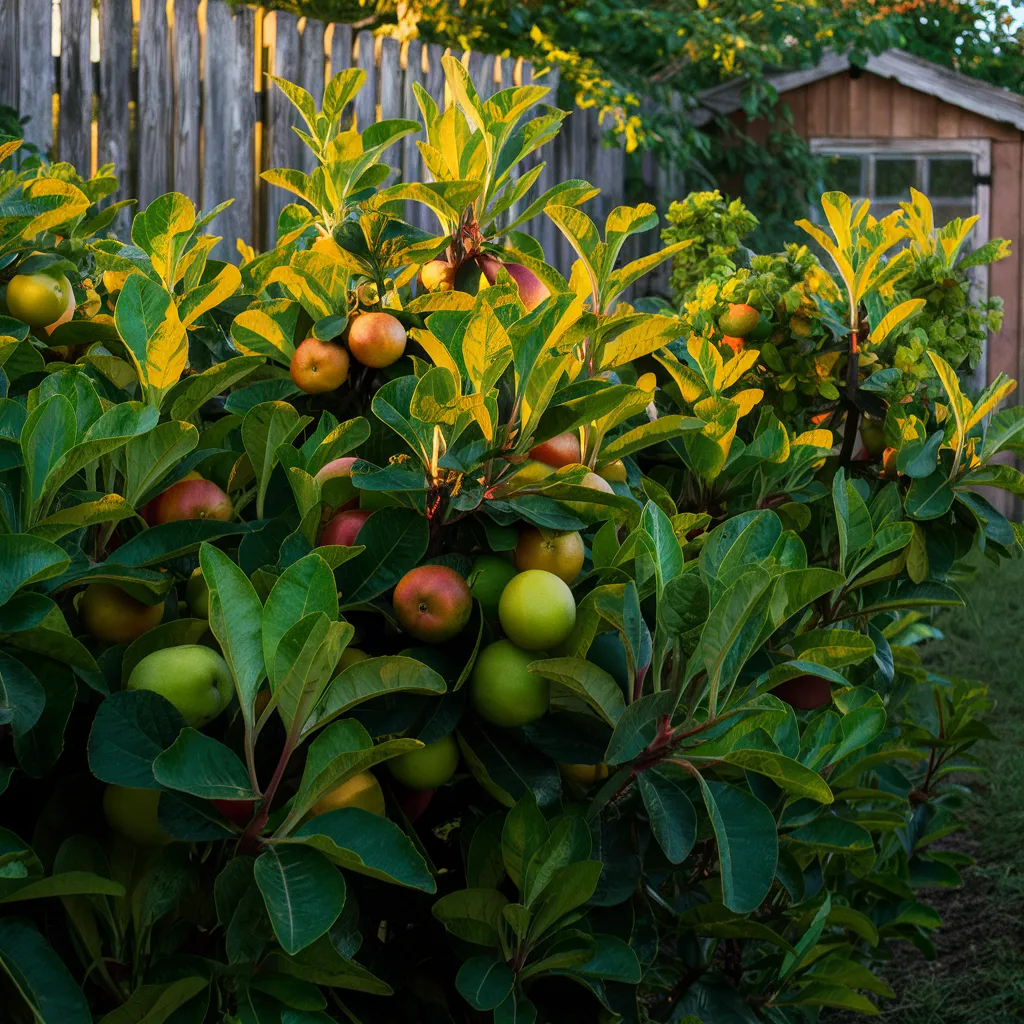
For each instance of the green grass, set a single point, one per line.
(978, 977)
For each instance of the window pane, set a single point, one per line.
(895, 176)
(845, 174)
(945, 212)
(953, 177)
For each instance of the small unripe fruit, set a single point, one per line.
(319, 366)
(560, 450)
(739, 320)
(190, 499)
(584, 774)
(336, 468)
(502, 689)
(197, 594)
(40, 300)
(351, 656)
(134, 814)
(805, 692)
(195, 679)
(552, 551)
(872, 433)
(487, 579)
(429, 767)
(437, 276)
(362, 790)
(376, 339)
(115, 617)
(432, 603)
(344, 528)
(537, 610)
(614, 472)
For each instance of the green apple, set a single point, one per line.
(197, 594)
(429, 767)
(487, 579)
(537, 610)
(195, 679)
(133, 813)
(362, 790)
(502, 688)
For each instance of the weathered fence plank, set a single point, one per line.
(9, 81)
(155, 107)
(187, 70)
(281, 144)
(312, 67)
(242, 127)
(35, 68)
(114, 124)
(366, 99)
(74, 139)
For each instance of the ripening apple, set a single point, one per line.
(560, 450)
(413, 801)
(40, 300)
(584, 774)
(433, 603)
(195, 679)
(503, 690)
(238, 812)
(615, 472)
(487, 579)
(805, 692)
(598, 483)
(537, 610)
(344, 527)
(318, 366)
(554, 551)
(376, 339)
(190, 499)
(739, 319)
(362, 790)
(872, 433)
(197, 594)
(335, 481)
(134, 814)
(351, 656)
(736, 344)
(437, 276)
(428, 767)
(532, 290)
(115, 617)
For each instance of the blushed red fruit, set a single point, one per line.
(805, 692)
(736, 344)
(532, 289)
(437, 276)
(560, 450)
(336, 485)
(337, 467)
(191, 499)
(739, 319)
(238, 812)
(597, 482)
(376, 339)
(433, 603)
(319, 366)
(344, 527)
(550, 550)
(115, 617)
(413, 801)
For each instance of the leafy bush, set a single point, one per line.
(472, 655)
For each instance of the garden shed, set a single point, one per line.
(902, 121)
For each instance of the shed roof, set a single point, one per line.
(952, 87)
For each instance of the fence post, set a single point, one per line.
(312, 66)
(280, 142)
(155, 108)
(35, 69)
(187, 71)
(74, 140)
(365, 102)
(9, 83)
(113, 129)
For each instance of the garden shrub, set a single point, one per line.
(394, 630)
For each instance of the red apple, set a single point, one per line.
(433, 603)
(805, 692)
(337, 467)
(560, 450)
(238, 812)
(532, 290)
(190, 499)
(344, 527)
(413, 801)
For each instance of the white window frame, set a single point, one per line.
(980, 150)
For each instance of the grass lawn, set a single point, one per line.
(978, 977)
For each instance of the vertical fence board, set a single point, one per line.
(312, 67)
(243, 133)
(114, 116)
(412, 165)
(433, 83)
(390, 76)
(9, 89)
(155, 107)
(35, 67)
(366, 98)
(74, 139)
(187, 98)
(281, 144)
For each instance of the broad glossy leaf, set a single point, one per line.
(198, 764)
(585, 681)
(474, 915)
(484, 982)
(26, 559)
(394, 541)
(669, 810)
(264, 429)
(306, 586)
(786, 772)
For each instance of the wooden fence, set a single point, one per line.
(174, 93)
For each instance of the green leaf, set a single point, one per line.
(570, 841)
(154, 1004)
(265, 428)
(198, 764)
(39, 976)
(831, 834)
(305, 661)
(303, 891)
(474, 915)
(484, 982)
(586, 681)
(525, 831)
(833, 648)
(236, 620)
(359, 841)
(853, 520)
(187, 397)
(394, 540)
(748, 846)
(306, 586)
(159, 544)
(151, 456)
(111, 508)
(790, 775)
(669, 810)
(130, 730)
(570, 887)
(638, 725)
(25, 560)
(322, 964)
(22, 696)
(68, 883)
(930, 497)
(47, 436)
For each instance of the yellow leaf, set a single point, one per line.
(735, 368)
(439, 355)
(747, 400)
(68, 202)
(838, 213)
(893, 319)
(691, 387)
(817, 438)
(992, 396)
